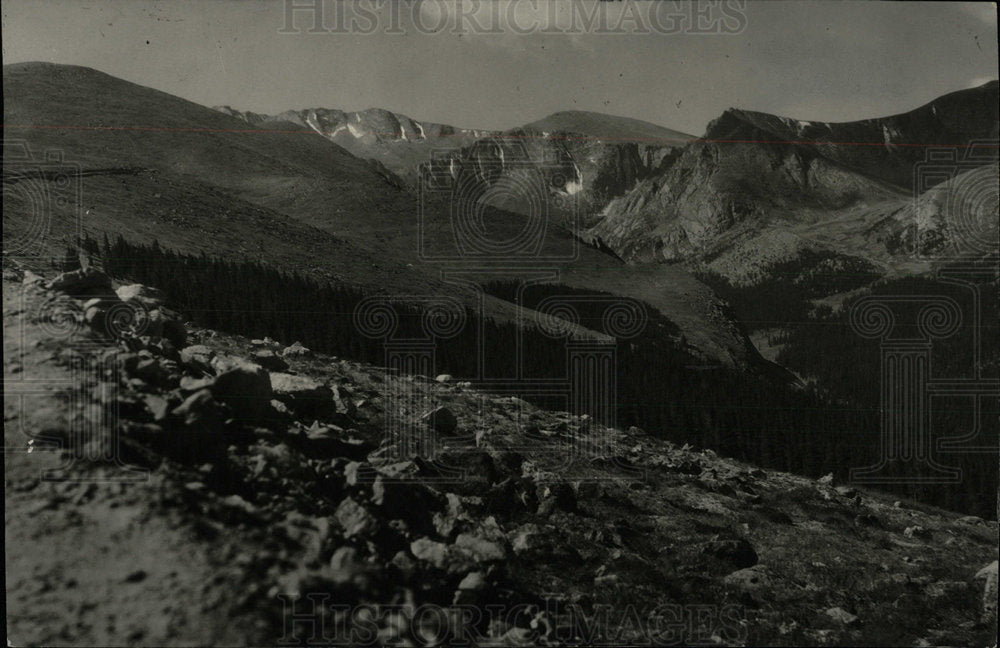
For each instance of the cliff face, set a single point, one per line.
(753, 172)
(571, 176)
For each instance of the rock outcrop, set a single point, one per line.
(754, 174)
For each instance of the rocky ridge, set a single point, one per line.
(587, 156)
(275, 464)
(755, 177)
(393, 140)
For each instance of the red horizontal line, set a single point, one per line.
(261, 131)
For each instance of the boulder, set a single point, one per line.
(32, 279)
(359, 473)
(355, 519)
(158, 406)
(189, 384)
(470, 589)
(528, 537)
(269, 360)
(150, 297)
(244, 386)
(454, 513)
(750, 580)
(341, 402)
(431, 551)
(411, 502)
(164, 348)
(302, 394)
(296, 350)
(165, 323)
(96, 316)
(971, 519)
(841, 615)
(89, 281)
(198, 357)
(325, 442)
(200, 408)
(150, 370)
(484, 544)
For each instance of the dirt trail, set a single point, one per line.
(90, 559)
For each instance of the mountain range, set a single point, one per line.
(754, 190)
(630, 208)
(160, 167)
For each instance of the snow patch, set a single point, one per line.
(312, 122)
(887, 135)
(574, 186)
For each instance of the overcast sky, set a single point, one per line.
(831, 61)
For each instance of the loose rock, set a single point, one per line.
(198, 356)
(301, 394)
(146, 295)
(244, 386)
(355, 519)
(296, 350)
(269, 360)
(841, 616)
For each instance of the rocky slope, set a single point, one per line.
(769, 181)
(272, 481)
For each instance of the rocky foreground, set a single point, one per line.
(214, 489)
